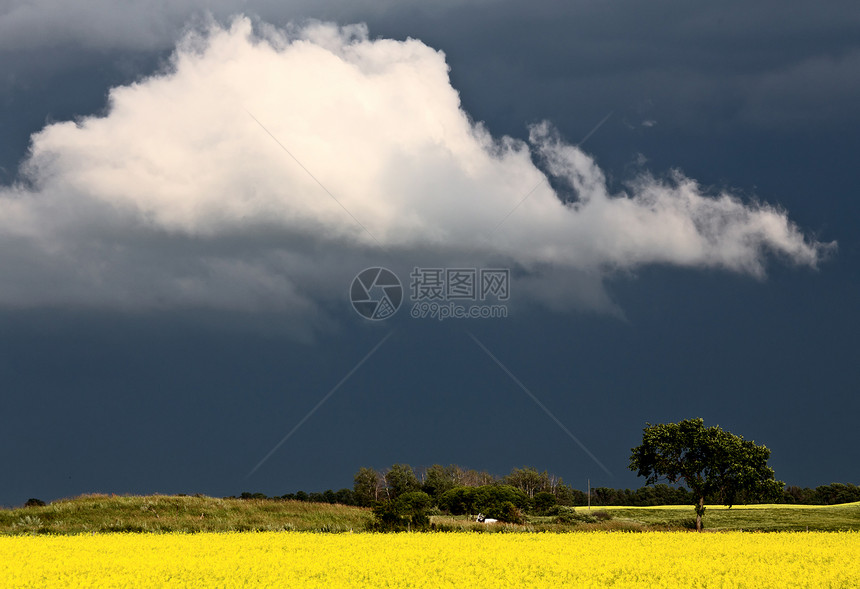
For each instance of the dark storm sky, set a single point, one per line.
(752, 97)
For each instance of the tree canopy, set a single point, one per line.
(709, 461)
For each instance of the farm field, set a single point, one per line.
(303, 559)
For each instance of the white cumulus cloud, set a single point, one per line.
(266, 167)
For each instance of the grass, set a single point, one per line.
(758, 518)
(162, 513)
(762, 518)
(461, 523)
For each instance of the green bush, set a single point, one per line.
(487, 499)
(543, 502)
(386, 518)
(508, 512)
(407, 512)
(414, 505)
(458, 501)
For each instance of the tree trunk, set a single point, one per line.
(700, 511)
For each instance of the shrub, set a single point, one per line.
(33, 502)
(414, 505)
(543, 502)
(386, 518)
(510, 513)
(407, 512)
(488, 499)
(458, 501)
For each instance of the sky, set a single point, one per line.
(591, 216)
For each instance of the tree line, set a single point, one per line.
(703, 466)
(372, 486)
(714, 466)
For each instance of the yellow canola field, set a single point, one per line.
(295, 559)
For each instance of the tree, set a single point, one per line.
(528, 480)
(709, 461)
(407, 512)
(345, 497)
(367, 486)
(437, 479)
(414, 505)
(474, 478)
(400, 479)
(569, 496)
(837, 493)
(490, 500)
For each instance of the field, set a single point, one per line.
(202, 541)
(303, 559)
(161, 513)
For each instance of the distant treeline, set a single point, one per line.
(373, 486)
